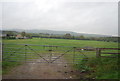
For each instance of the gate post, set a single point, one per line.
(25, 53)
(98, 52)
(2, 53)
(50, 59)
(74, 54)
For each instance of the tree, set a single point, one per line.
(67, 35)
(10, 33)
(28, 35)
(82, 37)
(23, 34)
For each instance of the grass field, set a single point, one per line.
(57, 42)
(64, 42)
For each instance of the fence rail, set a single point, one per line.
(99, 52)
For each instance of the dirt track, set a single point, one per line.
(41, 71)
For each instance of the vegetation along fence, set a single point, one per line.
(52, 54)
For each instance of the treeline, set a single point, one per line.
(13, 34)
(81, 37)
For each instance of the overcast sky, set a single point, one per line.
(68, 15)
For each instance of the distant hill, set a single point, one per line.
(58, 32)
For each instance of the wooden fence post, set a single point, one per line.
(98, 52)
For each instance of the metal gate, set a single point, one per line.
(42, 53)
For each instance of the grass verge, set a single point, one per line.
(7, 66)
(99, 68)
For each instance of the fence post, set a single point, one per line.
(98, 52)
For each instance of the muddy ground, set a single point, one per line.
(36, 70)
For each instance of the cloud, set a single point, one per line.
(88, 17)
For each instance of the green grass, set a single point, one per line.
(102, 68)
(7, 66)
(60, 42)
(63, 42)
